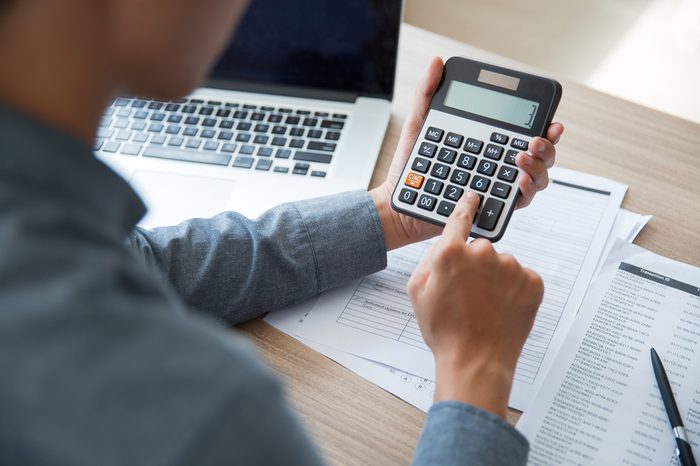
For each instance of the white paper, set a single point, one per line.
(417, 391)
(561, 236)
(599, 403)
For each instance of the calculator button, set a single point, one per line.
(510, 157)
(447, 155)
(427, 150)
(453, 192)
(500, 190)
(433, 186)
(440, 171)
(414, 180)
(434, 134)
(507, 173)
(460, 177)
(407, 196)
(499, 138)
(489, 214)
(473, 145)
(420, 165)
(427, 202)
(493, 152)
(486, 167)
(480, 183)
(519, 144)
(445, 208)
(454, 140)
(466, 161)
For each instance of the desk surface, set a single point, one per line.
(657, 155)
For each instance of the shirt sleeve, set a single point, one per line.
(238, 268)
(456, 433)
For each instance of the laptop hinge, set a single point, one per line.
(291, 91)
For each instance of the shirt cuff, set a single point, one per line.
(345, 237)
(457, 433)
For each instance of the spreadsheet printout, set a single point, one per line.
(560, 235)
(415, 390)
(600, 403)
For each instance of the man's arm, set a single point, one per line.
(237, 268)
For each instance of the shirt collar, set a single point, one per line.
(51, 160)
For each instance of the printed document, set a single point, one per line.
(561, 236)
(599, 403)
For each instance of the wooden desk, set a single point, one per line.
(657, 155)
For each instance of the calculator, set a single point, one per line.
(479, 119)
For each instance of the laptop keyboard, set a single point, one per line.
(280, 140)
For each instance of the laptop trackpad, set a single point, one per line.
(172, 198)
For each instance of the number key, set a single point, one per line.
(447, 155)
(507, 173)
(453, 192)
(460, 177)
(408, 196)
(486, 167)
(434, 134)
(433, 186)
(440, 171)
(480, 183)
(427, 202)
(466, 161)
(427, 150)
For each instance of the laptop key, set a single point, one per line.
(296, 143)
(305, 156)
(172, 129)
(211, 145)
(314, 133)
(261, 139)
(209, 122)
(243, 137)
(131, 149)
(292, 120)
(240, 114)
(243, 126)
(243, 162)
(283, 153)
(274, 118)
(98, 144)
(257, 116)
(322, 146)
(186, 156)
(318, 173)
(193, 144)
(301, 169)
(155, 128)
(140, 137)
(111, 146)
(226, 124)
(189, 109)
(296, 132)
(176, 141)
(281, 169)
(279, 130)
(263, 164)
(225, 135)
(207, 133)
(330, 124)
(190, 131)
(310, 121)
(247, 150)
(261, 128)
(190, 120)
(229, 147)
(158, 139)
(223, 112)
(341, 116)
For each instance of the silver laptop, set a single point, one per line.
(297, 107)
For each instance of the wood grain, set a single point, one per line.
(355, 422)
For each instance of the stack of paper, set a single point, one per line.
(369, 326)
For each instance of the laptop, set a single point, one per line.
(297, 107)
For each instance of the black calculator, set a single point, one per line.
(479, 119)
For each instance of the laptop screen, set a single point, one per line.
(346, 46)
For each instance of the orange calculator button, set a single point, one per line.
(414, 180)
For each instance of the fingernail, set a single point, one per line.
(556, 141)
(473, 196)
(540, 147)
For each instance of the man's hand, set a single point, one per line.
(399, 229)
(475, 309)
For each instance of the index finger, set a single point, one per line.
(460, 222)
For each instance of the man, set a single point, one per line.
(101, 359)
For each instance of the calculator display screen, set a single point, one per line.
(491, 104)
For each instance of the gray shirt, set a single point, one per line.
(114, 347)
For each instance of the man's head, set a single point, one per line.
(156, 48)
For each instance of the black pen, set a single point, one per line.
(683, 450)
